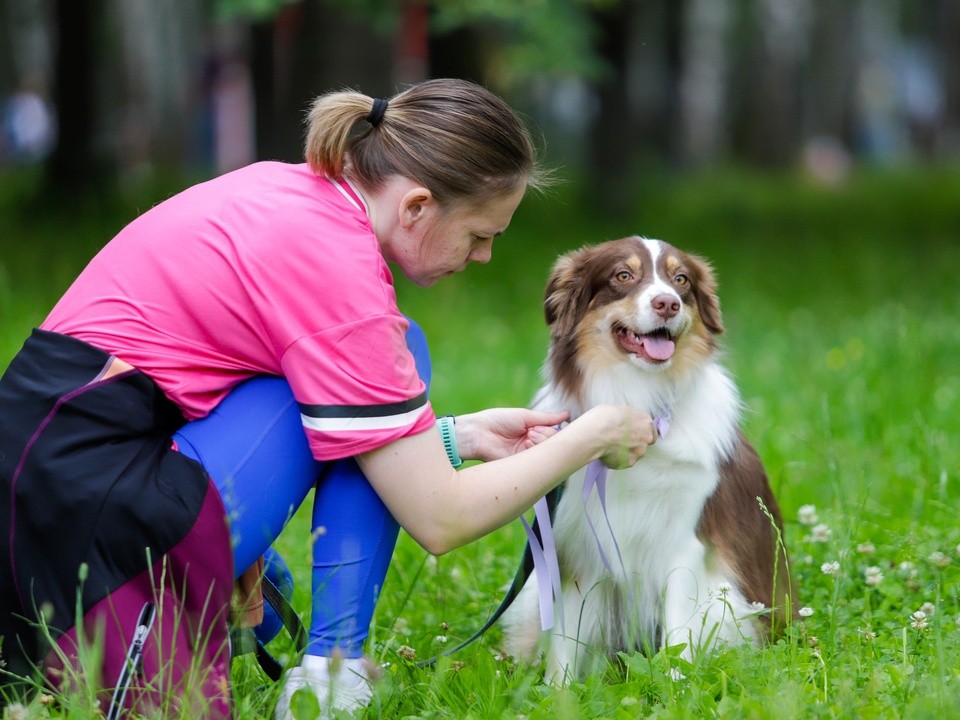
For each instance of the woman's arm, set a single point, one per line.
(443, 509)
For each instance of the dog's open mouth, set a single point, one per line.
(656, 346)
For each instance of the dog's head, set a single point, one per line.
(634, 301)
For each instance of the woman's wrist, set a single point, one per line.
(465, 427)
(447, 427)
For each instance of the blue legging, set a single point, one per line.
(253, 446)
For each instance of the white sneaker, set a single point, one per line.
(337, 684)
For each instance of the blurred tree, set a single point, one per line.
(832, 70)
(306, 49)
(301, 48)
(704, 79)
(948, 31)
(769, 127)
(616, 84)
(73, 165)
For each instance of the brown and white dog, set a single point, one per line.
(697, 559)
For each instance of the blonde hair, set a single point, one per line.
(458, 139)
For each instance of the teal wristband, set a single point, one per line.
(449, 436)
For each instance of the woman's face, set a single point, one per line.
(447, 240)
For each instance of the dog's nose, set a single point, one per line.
(666, 306)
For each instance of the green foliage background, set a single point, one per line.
(841, 307)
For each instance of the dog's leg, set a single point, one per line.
(685, 601)
(581, 641)
(521, 623)
(524, 640)
(728, 613)
(704, 609)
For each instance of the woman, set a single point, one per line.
(272, 270)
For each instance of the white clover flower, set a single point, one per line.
(866, 548)
(757, 607)
(869, 635)
(938, 559)
(820, 533)
(16, 711)
(807, 515)
(830, 568)
(724, 588)
(918, 620)
(928, 608)
(441, 639)
(907, 568)
(805, 612)
(873, 576)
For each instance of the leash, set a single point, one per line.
(527, 564)
(244, 640)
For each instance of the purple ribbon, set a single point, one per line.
(545, 563)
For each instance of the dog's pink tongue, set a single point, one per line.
(657, 347)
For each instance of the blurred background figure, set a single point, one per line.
(29, 129)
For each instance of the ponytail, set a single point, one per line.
(456, 138)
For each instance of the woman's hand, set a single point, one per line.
(625, 433)
(501, 432)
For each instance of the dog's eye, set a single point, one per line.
(681, 279)
(624, 276)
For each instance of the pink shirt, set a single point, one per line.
(265, 270)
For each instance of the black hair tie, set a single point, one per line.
(376, 114)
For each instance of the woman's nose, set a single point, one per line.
(481, 253)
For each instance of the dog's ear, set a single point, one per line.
(705, 293)
(567, 293)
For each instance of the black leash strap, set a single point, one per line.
(244, 640)
(519, 580)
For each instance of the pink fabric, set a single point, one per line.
(265, 270)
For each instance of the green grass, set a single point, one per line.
(841, 307)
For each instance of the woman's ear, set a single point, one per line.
(416, 203)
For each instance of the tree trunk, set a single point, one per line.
(73, 166)
(612, 135)
(949, 49)
(772, 121)
(703, 83)
(312, 47)
(832, 72)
